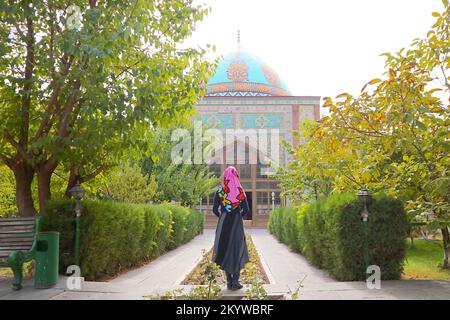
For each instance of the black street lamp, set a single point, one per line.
(365, 196)
(77, 192)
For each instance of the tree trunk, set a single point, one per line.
(44, 192)
(44, 174)
(24, 175)
(73, 179)
(446, 240)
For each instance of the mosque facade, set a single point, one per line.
(249, 103)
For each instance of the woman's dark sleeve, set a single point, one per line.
(216, 205)
(245, 208)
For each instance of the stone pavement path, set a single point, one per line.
(284, 269)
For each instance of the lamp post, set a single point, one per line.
(77, 192)
(273, 200)
(364, 196)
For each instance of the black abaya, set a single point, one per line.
(230, 248)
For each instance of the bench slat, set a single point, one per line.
(14, 247)
(16, 240)
(16, 235)
(29, 227)
(17, 222)
(15, 231)
(4, 253)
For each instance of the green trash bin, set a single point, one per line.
(47, 260)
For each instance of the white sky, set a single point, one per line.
(318, 47)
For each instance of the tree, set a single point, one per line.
(126, 183)
(7, 201)
(82, 82)
(187, 183)
(307, 177)
(394, 137)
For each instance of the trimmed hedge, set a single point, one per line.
(330, 234)
(116, 236)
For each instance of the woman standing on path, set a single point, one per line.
(230, 248)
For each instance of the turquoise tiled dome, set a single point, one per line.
(240, 74)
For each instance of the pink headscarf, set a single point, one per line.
(232, 193)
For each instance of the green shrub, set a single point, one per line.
(116, 236)
(7, 193)
(330, 234)
(194, 225)
(179, 217)
(283, 224)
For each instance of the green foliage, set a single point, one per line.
(256, 290)
(7, 193)
(393, 137)
(82, 98)
(295, 293)
(187, 223)
(126, 183)
(330, 234)
(283, 223)
(424, 261)
(194, 225)
(116, 236)
(187, 183)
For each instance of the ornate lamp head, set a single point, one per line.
(77, 192)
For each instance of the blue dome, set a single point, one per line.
(240, 74)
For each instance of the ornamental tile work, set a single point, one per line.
(261, 120)
(240, 74)
(220, 121)
(246, 94)
(238, 71)
(244, 89)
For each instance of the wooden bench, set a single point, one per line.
(18, 244)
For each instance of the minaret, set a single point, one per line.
(239, 40)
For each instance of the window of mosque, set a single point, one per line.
(259, 173)
(262, 198)
(245, 171)
(273, 184)
(246, 185)
(241, 152)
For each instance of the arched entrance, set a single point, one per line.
(263, 191)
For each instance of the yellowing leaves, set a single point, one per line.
(395, 138)
(344, 95)
(392, 73)
(371, 82)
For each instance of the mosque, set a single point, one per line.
(246, 95)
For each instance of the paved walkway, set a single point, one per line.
(284, 269)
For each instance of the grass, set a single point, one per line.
(5, 273)
(27, 271)
(423, 261)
